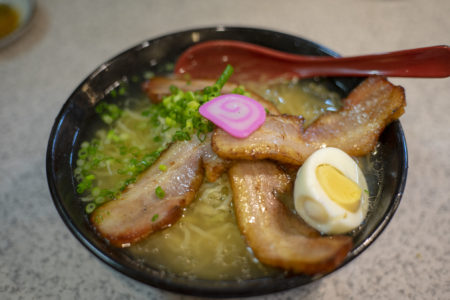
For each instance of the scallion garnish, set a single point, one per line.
(175, 118)
(108, 112)
(155, 217)
(226, 74)
(160, 192)
(90, 207)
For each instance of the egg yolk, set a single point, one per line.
(338, 187)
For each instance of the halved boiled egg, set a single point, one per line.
(330, 192)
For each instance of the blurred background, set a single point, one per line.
(66, 40)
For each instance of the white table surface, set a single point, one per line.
(39, 257)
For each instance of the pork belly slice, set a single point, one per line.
(279, 138)
(278, 237)
(139, 211)
(366, 112)
(214, 165)
(159, 87)
(355, 128)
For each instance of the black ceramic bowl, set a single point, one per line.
(77, 115)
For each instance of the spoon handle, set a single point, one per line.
(421, 62)
(257, 61)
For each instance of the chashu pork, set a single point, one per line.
(277, 237)
(138, 211)
(355, 128)
(214, 165)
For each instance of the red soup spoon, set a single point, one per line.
(253, 62)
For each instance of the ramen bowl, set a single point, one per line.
(77, 116)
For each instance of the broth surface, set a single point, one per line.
(307, 98)
(206, 242)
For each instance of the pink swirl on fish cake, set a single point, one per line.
(236, 114)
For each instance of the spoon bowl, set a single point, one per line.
(254, 62)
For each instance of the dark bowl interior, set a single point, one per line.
(77, 115)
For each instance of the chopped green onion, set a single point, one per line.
(225, 76)
(155, 217)
(108, 112)
(122, 90)
(169, 67)
(90, 207)
(175, 118)
(99, 200)
(112, 136)
(181, 136)
(148, 75)
(241, 91)
(201, 136)
(95, 191)
(160, 192)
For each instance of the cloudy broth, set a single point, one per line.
(206, 242)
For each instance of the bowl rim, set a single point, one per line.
(212, 291)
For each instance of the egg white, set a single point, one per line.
(312, 202)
